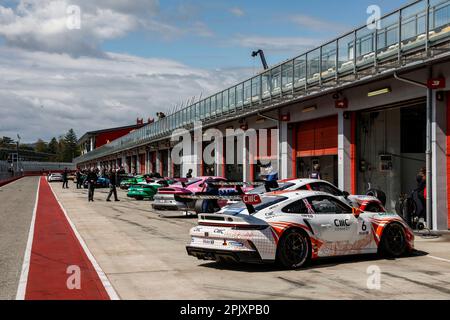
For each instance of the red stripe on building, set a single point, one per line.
(353, 153)
(294, 152)
(55, 248)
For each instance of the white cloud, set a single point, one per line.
(41, 25)
(238, 12)
(45, 94)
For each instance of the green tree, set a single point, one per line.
(71, 149)
(53, 146)
(41, 146)
(7, 142)
(61, 149)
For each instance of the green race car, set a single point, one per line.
(126, 183)
(146, 191)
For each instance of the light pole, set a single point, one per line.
(18, 143)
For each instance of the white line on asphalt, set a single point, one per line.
(440, 259)
(103, 278)
(20, 295)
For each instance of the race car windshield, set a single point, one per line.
(265, 203)
(262, 189)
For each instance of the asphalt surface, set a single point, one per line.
(16, 209)
(142, 252)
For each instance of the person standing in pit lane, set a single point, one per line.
(112, 185)
(91, 179)
(79, 178)
(65, 179)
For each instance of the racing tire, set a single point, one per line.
(380, 195)
(199, 207)
(294, 249)
(393, 241)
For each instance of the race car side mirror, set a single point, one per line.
(346, 194)
(356, 212)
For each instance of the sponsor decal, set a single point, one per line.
(219, 231)
(342, 223)
(363, 228)
(235, 244)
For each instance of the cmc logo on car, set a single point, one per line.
(342, 223)
(251, 199)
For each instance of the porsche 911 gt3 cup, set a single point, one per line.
(364, 202)
(295, 227)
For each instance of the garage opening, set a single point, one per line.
(164, 157)
(128, 164)
(208, 169)
(266, 159)
(234, 171)
(391, 149)
(317, 143)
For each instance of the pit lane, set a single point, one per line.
(142, 252)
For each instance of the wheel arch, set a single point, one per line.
(301, 230)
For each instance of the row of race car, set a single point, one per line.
(290, 222)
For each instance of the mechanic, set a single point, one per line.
(91, 179)
(211, 190)
(112, 185)
(189, 174)
(315, 174)
(420, 193)
(65, 179)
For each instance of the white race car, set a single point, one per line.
(295, 227)
(364, 202)
(55, 177)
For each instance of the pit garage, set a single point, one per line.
(391, 144)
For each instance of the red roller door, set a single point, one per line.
(317, 138)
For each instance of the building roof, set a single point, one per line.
(96, 132)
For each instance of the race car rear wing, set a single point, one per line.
(249, 199)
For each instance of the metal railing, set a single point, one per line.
(410, 33)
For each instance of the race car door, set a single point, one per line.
(334, 225)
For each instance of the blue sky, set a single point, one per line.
(262, 18)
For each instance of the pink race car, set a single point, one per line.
(171, 197)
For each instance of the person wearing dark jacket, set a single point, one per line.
(315, 174)
(91, 179)
(420, 193)
(112, 185)
(65, 179)
(79, 178)
(210, 189)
